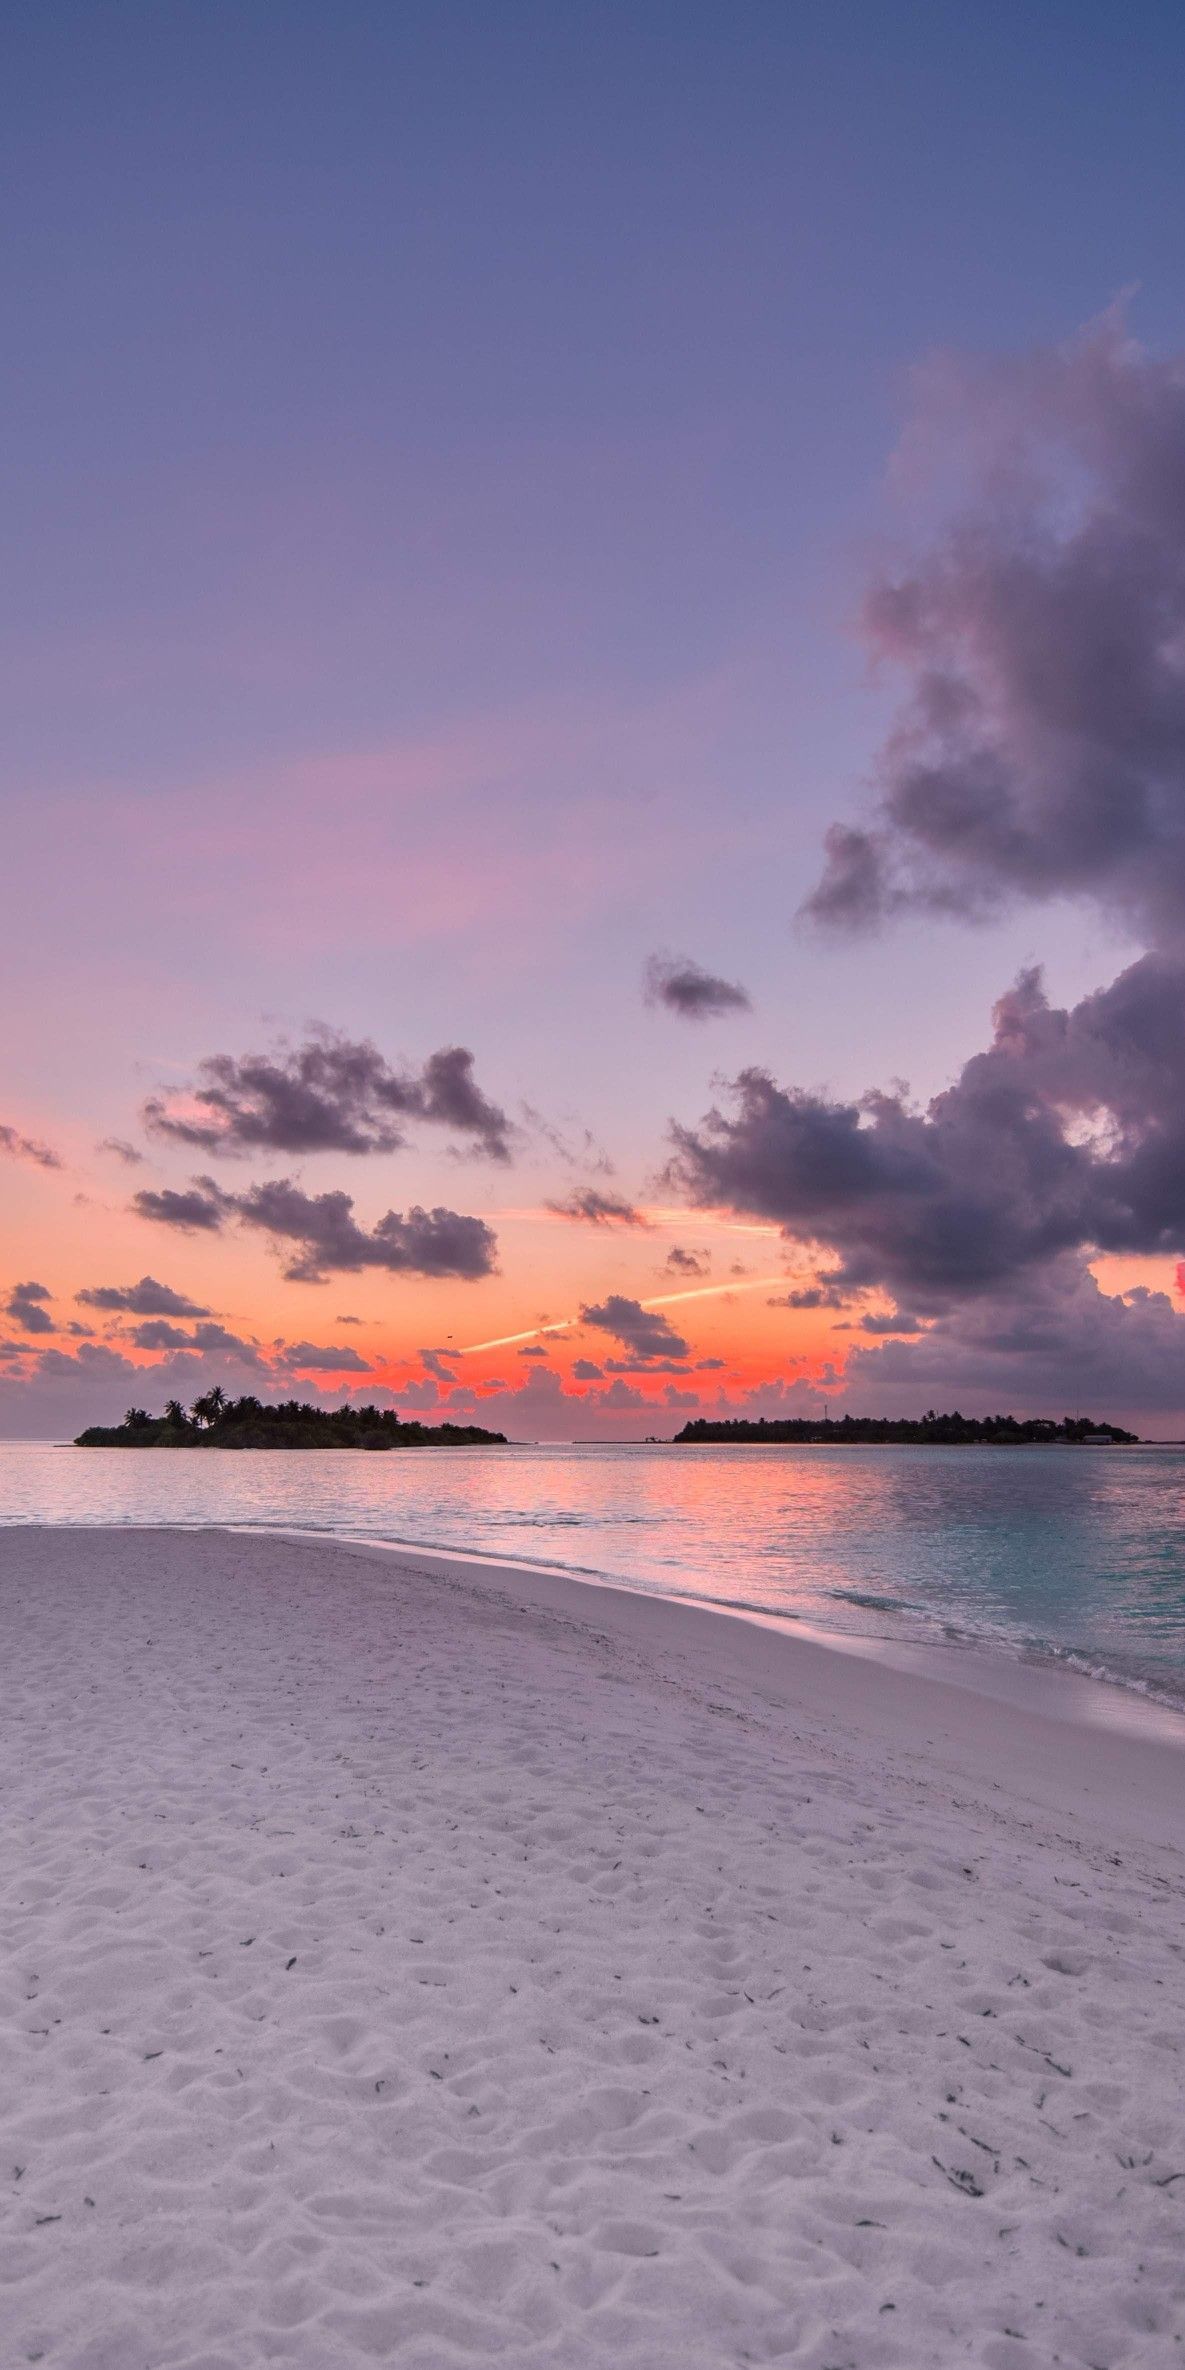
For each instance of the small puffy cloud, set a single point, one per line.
(681, 1262)
(19, 1147)
(156, 1333)
(533, 1349)
(586, 1370)
(25, 1307)
(433, 1362)
(148, 1298)
(588, 1206)
(810, 1296)
(317, 1357)
(202, 1210)
(683, 987)
(120, 1149)
(710, 1365)
(340, 1320)
(644, 1332)
(331, 1094)
(895, 1324)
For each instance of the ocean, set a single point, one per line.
(1052, 1554)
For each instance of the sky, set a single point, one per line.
(593, 664)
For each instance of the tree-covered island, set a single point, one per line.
(927, 1431)
(214, 1421)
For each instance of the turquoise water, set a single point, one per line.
(1070, 1554)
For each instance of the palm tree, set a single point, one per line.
(208, 1409)
(175, 1415)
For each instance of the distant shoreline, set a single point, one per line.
(928, 1431)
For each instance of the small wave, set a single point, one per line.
(873, 1604)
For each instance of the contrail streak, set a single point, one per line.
(507, 1341)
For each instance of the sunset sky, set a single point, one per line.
(589, 592)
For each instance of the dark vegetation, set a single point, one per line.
(929, 1430)
(214, 1421)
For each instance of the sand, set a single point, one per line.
(445, 1965)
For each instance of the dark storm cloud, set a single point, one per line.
(588, 1206)
(24, 1306)
(1067, 1134)
(644, 1332)
(330, 1094)
(1056, 1347)
(19, 1147)
(683, 987)
(1039, 750)
(148, 1298)
(327, 1237)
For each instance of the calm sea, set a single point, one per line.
(1071, 1554)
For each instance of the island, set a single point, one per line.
(214, 1421)
(927, 1431)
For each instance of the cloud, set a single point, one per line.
(1039, 749)
(331, 1094)
(894, 1324)
(327, 1237)
(533, 1349)
(646, 1333)
(19, 1147)
(709, 1365)
(24, 1306)
(314, 1357)
(1055, 1347)
(810, 1296)
(590, 1207)
(148, 1298)
(586, 1370)
(200, 1211)
(682, 987)
(1068, 1133)
(156, 1333)
(433, 1362)
(680, 1262)
(340, 1320)
(122, 1150)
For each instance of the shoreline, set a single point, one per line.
(1028, 1737)
(983, 1664)
(442, 1961)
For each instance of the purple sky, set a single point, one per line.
(481, 506)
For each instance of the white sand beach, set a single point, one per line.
(418, 1962)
